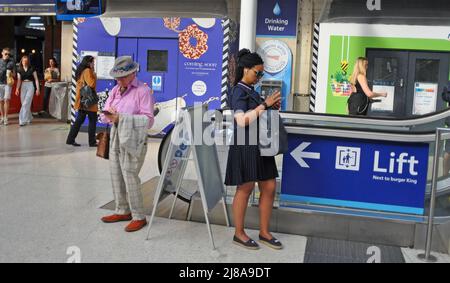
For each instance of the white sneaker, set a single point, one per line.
(5, 121)
(1, 120)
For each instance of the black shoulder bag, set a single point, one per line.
(88, 96)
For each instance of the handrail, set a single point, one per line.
(425, 119)
(367, 135)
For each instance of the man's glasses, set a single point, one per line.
(7, 54)
(259, 74)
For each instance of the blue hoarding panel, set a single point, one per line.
(370, 175)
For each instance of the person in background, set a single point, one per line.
(359, 100)
(51, 75)
(446, 161)
(129, 108)
(27, 79)
(6, 74)
(245, 164)
(85, 76)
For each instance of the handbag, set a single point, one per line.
(273, 137)
(10, 80)
(103, 144)
(272, 140)
(88, 97)
(358, 103)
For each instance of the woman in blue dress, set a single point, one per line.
(245, 164)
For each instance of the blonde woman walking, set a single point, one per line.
(358, 102)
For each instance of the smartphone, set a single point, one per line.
(107, 112)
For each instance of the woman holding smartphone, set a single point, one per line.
(245, 164)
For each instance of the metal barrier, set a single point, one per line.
(427, 257)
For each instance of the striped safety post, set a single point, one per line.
(226, 50)
(315, 62)
(74, 68)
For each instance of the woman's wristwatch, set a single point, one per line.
(265, 105)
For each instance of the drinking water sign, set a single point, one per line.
(372, 175)
(277, 18)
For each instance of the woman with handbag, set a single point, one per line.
(245, 164)
(85, 77)
(359, 101)
(27, 87)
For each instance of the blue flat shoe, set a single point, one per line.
(272, 243)
(250, 244)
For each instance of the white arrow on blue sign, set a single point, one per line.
(298, 154)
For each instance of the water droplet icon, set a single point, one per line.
(277, 10)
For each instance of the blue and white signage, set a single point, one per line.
(27, 7)
(370, 175)
(277, 58)
(157, 83)
(277, 18)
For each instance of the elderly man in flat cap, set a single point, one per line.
(129, 109)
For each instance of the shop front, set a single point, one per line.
(409, 57)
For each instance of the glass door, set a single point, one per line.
(387, 72)
(428, 75)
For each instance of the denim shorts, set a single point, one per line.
(5, 92)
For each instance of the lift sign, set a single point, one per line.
(369, 175)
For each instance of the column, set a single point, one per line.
(248, 24)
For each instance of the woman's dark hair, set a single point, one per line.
(54, 60)
(83, 66)
(246, 59)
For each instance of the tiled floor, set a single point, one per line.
(50, 199)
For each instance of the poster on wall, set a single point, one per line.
(425, 98)
(387, 103)
(104, 65)
(104, 62)
(200, 46)
(277, 57)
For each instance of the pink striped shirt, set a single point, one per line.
(136, 100)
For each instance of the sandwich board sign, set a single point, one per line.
(210, 184)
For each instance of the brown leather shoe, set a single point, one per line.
(117, 218)
(136, 225)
